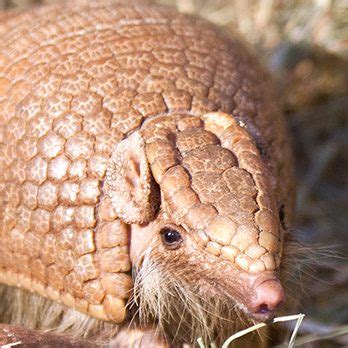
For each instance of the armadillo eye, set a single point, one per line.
(171, 238)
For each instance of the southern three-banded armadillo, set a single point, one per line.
(146, 173)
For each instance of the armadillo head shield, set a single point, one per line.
(215, 189)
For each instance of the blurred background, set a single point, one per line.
(304, 43)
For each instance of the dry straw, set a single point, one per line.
(297, 317)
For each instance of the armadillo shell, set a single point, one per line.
(75, 79)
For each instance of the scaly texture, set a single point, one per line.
(213, 180)
(75, 79)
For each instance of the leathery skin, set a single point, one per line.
(75, 80)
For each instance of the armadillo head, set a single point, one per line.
(203, 214)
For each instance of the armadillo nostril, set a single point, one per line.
(263, 309)
(269, 295)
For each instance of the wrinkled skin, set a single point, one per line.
(139, 147)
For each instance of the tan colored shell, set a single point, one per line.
(75, 79)
(216, 190)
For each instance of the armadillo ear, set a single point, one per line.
(129, 182)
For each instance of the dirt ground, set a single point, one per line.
(304, 44)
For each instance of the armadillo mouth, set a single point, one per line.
(214, 183)
(258, 296)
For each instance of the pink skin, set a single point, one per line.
(267, 293)
(141, 237)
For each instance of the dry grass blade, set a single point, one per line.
(291, 344)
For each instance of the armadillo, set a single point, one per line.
(146, 170)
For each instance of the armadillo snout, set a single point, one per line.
(269, 296)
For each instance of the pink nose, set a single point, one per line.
(269, 295)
